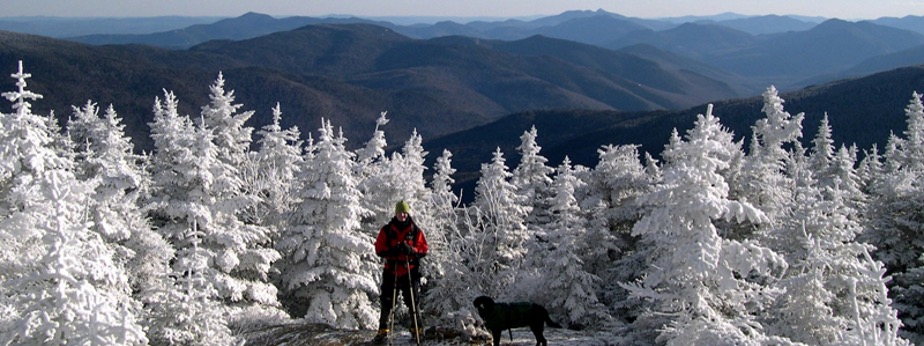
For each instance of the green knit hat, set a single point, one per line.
(402, 207)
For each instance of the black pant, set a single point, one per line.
(403, 284)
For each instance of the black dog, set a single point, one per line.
(500, 316)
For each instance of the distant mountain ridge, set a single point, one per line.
(788, 51)
(247, 26)
(468, 93)
(350, 73)
(61, 27)
(862, 112)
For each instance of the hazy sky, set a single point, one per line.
(844, 9)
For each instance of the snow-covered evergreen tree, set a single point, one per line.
(762, 182)
(709, 286)
(26, 141)
(375, 147)
(822, 153)
(501, 231)
(25, 154)
(407, 178)
(189, 314)
(869, 168)
(76, 293)
(221, 117)
(373, 168)
(565, 287)
(329, 268)
(387, 180)
(197, 183)
(834, 293)
(897, 203)
(608, 201)
(449, 282)
(243, 249)
(532, 178)
(269, 173)
(60, 281)
(105, 156)
(179, 208)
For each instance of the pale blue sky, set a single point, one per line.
(844, 9)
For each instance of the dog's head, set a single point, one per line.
(483, 304)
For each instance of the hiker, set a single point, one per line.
(401, 243)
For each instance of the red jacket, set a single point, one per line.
(393, 234)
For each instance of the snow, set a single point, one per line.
(208, 242)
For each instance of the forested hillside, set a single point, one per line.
(215, 234)
(351, 73)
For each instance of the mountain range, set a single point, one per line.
(350, 73)
(862, 112)
(583, 78)
(789, 52)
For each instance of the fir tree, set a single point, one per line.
(106, 157)
(822, 152)
(271, 171)
(26, 146)
(763, 182)
(190, 314)
(870, 168)
(703, 281)
(328, 270)
(406, 178)
(501, 230)
(372, 166)
(179, 205)
(833, 290)
(896, 230)
(226, 125)
(76, 293)
(449, 280)
(242, 248)
(375, 147)
(60, 281)
(609, 201)
(572, 290)
(532, 178)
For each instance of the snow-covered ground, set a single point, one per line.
(299, 334)
(523, 337)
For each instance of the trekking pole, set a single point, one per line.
(410, 278)
(391, 313)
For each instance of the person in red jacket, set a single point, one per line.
(401, 243)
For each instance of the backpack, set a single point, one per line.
(390, 234)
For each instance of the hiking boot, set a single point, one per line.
(380, 337)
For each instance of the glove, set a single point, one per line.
(404, 249)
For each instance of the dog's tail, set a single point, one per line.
(548, 321)
(551, 323)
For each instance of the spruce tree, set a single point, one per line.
(243, 248)
(373, 168)
(608, 200)
(532, 178)
(567, 287)
(180, 210)
(106, 157)
(449, 280)
(76, 293)
(896, 230)
(501, 232)
(61, 283)
(328, 269)
(704, 289)
(834, 293)
(762, 182)
(269, 174)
